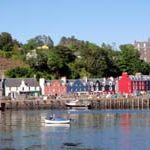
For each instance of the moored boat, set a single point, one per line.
(77, 103)
(55, 120)
(65, 125)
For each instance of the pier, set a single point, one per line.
(134, 103)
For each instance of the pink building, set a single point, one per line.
(55, 87)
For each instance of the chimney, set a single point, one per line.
(63, 79)
(85, 79)
(42, 85)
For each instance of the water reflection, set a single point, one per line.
(93, 129)
(56, 125)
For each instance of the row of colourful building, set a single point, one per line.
(125, 84)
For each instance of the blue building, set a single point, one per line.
(77, 86)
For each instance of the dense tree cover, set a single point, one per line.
(9, 46)
(58, 61)
(72, 58)
(19, 72)
(6, 41)
(72, 43)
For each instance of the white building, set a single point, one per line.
(18, 86)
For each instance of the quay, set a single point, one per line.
(95, 103)
(31, 104)
(125, 103)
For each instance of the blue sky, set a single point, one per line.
(97, 21)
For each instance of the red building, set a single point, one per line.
(55, 87)
(132, 84)
(125, 84)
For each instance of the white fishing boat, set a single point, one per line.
(56, 120)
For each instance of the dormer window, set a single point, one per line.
(22, 88)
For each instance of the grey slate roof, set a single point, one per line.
(139, 78)
(51, 81)
(16, 82)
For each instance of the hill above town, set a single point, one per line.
(71, 58)
(9, 63)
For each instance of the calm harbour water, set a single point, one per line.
(89, 130)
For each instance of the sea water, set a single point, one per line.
(89, 130)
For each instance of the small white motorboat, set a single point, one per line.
(77, 103)
(65, 125)
(57, 120)
(72, 103)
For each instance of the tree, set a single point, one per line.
(44, 40)
(58, 61)
(30, 45)
(76, 68)
(19, 72)
(72, 43)
(113, 55)
(6, 41)
(38, 41)
(55, 63)
(37, 59)
(95, 60)
(130, 62)
(65, 53)
(144, 67)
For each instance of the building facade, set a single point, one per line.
(54, 88)
(144, 49)
(15, 87)
(133, 85)
(125, 84)
(102, 85)
(1, 88)
(77, 86)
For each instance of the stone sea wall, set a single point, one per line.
(123, 103)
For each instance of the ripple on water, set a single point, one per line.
(6, 139)
(28, 136)
(7, 148)
(77, 146)
(36, 147)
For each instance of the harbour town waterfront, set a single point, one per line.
(125, 92)
(30, 88)
(72, 77)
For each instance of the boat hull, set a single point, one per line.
(77, 105)
(47, 121)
